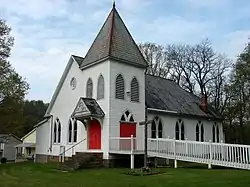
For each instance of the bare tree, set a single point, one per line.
(156, 57)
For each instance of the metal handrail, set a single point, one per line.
(72, 147)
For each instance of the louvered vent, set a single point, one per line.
(119, 87)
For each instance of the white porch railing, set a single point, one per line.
(221, 154)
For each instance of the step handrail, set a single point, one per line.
(72, 147)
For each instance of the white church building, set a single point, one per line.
(101, 98)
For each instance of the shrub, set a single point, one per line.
(3, 160)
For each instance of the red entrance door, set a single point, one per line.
(94, 131)
(126, 130)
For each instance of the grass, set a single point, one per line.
(43, 175)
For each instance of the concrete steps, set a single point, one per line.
(83, 160)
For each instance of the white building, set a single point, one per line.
(106, 94)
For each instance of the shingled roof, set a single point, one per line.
(114, 41)
(164, 94)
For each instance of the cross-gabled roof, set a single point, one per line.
(114, 41)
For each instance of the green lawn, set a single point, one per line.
(41, 175)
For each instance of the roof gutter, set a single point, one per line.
(164, 111)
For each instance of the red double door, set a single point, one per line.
(94, 135)
(126, 130)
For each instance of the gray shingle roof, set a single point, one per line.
(165, 94)
(114, 41)
(78, 59)
(87, 107)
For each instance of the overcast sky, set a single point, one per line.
(47, 32)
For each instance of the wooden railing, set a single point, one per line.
(221, 154)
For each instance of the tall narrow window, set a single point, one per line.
(160, 129)
(134, 90)
(75, 131)
(217, 133)
(153, 130)
(55, 131)
(119, 87)
(70, 132)
(202, 133)
(100, 87)
(89, 90)
(182, 131)
(197, 132)
(59, 132)
(177, 131)
(213, 132)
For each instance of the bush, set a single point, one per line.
(3, 160)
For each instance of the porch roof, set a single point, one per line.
(32, 145)
(87, 107)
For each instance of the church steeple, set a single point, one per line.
(114, 41)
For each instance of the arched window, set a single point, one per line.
(202, 133)
(100, 87)
(156, 128)
(70, 131)
(134, 90)
(59, 131)
(119, 87)
(217, 133)
(153, 130)
(89, 90)
(213, 132)
(197, 132)
(127, 117)
(75, 131)
(55, 131)
(160, 129)
(177, 131)
(182, 131)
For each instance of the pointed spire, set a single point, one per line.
(114, 41)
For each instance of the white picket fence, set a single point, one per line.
(220, 154)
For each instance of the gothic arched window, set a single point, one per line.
(127, 117)
(75, 131)
(134, 90)
(177, 131)
(100, 87)
(70, 132)
(89, 90)
(197, 132)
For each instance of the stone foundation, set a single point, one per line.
(40, 158)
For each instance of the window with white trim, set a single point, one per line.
(216, 133)
(75, 131)
(127, 117)
(72, 133)
(100, 87)
(156, 128)
(119, 87)
(179, 130)
(134, 88)
(57, 131)
(89, 88)
(199, 132)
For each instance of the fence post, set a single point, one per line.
(210, 155)
(186, 145)
(132, 157)
(174, 147)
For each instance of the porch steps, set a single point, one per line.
(82, 160)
